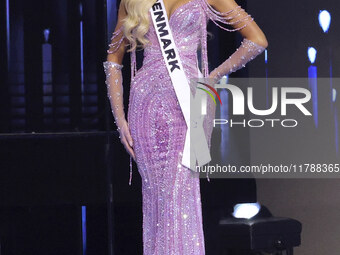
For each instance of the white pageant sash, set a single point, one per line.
(199, 149)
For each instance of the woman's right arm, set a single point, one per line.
(114, 80)
(118, 43)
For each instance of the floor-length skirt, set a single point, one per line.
(172, 213)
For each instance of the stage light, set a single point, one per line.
(325, 20)
(246, 210)
(266, 56)
(312, 54)
(333, 94)
(46, 34)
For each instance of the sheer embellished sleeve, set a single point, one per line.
(116, 40)
(114, 78)
(113, 69)
(244, 54)
(236, 19)
(114, 82)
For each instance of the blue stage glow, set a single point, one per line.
(8, 31)
(82, 52)
(83, 216)
(312, 54)
(333, 94)
(325, 20)
(266, 56)
(313, 83)
(46, 34)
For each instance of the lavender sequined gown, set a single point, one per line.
(172, 217)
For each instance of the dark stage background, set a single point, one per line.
(63, 172)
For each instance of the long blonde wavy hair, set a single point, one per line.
(136, 23)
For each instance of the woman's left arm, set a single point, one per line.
(254, 41)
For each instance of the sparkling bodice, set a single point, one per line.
(186, 25)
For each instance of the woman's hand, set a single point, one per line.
(125, 138)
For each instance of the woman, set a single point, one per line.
(154, 133)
